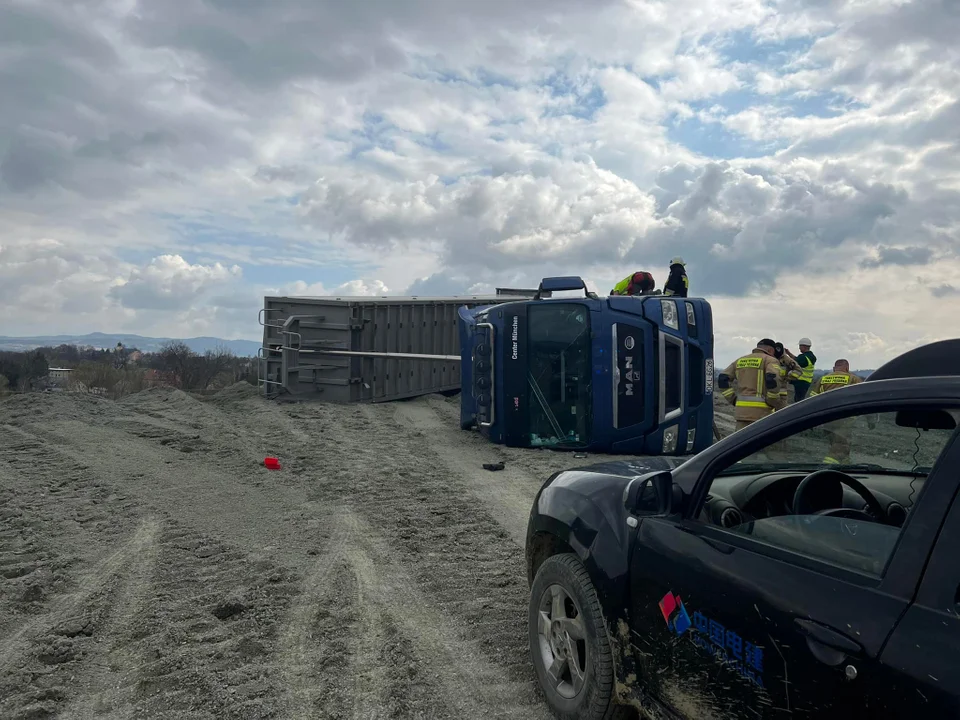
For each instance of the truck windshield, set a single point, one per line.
(558, 348)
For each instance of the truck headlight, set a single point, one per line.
(670, 439)
(670, 319)
(691, 437)
(691, 315)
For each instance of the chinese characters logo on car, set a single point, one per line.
(725, 645)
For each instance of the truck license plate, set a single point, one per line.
(708, 371)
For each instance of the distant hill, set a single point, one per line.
(241, 348)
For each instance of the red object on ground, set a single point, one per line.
(271, 463)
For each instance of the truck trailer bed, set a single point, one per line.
(297, 331)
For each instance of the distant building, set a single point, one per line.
(59, 376)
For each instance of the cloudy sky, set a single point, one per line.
(163, 165)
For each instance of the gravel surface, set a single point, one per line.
(151, 567)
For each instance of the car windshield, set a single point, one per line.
(559, 378)
(875, 442)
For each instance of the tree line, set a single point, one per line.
(122, 371)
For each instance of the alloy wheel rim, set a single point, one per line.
(562, 640)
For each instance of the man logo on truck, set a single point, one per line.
(628, 364)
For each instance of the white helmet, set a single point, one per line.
(677, 261)
(805, 341)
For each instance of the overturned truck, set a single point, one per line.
(618, 374)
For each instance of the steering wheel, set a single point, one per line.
(802, 507)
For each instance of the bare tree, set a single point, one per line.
(192, 371)
(179, 360)
(214, 363)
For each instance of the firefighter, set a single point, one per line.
(758, 384)
(789, 370)
(840, 377)
(808, 363)
(638, 283)
(838, 430)
(677, 283)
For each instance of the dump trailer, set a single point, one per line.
(363, 349)
(613, 374)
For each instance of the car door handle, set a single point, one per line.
(828, 636)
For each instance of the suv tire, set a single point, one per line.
(554, 620)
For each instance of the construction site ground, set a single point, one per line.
(151, 567)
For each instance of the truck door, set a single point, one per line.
(765, 613)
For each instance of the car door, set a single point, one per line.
(725, 626)
(923, 654)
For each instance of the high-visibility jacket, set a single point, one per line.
(807, 362)
(833, 381)
(758, 386)
(789, 371)
(635, 284)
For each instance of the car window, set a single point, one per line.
(858, 478)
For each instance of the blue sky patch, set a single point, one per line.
(715, 141)
(576, 100)
(278, 275)
(741, 46)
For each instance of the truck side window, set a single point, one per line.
(839, 492)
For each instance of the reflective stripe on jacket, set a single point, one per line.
(833, 381)
(758, 386)
(677, 283)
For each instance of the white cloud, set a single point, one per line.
(162, 166)
(171, 283)
(350, 288)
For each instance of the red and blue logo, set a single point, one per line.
(674, 613)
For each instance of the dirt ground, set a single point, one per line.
(151, 567)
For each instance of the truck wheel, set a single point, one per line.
(568, 641)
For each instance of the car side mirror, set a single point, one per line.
(653, 494)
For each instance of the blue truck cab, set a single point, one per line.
(615, 374)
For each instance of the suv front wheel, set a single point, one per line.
(568, 641)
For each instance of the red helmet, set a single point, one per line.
(644, 280)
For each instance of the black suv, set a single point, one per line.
(805, 566)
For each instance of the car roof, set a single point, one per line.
(932, 360)
(945, 386)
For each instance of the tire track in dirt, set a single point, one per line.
(200, 642)
(462, 561)
(507, 494)
(301, 653)
(57, 521)
(56, 642)
(368, 567)
(113, 658)
(470, 685)
(201, 645)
